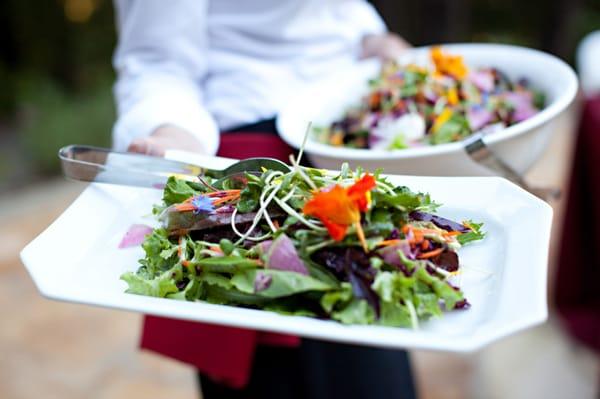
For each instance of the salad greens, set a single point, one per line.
(411, 106)
(350, 247)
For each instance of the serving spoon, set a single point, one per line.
(102, 165)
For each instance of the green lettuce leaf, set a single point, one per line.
(215, 279)
(358, 311)
(338, 298)
(191, 292)
(177, 190)
(394, 314)
(283, 283)
(161, 254)
(404, 198)
(219, 295)
(474, 235)
(249, 197)
(441, 288)
(159, 286)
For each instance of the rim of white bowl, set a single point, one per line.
(545, 115)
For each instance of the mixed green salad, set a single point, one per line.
(412, 106)
(349, 246)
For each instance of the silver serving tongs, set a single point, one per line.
(101, 165)
(479, 152)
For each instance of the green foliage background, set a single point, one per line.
(56, 76)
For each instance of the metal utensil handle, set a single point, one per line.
(479, 152)
(93, 164)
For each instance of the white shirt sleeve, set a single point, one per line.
(160, 63)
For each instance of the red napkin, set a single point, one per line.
(578, 276)
(225, 354)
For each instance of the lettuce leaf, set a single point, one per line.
(474, 235)
(283, 283)
(358, 311)
(333, 299)
(178, 190)
(394, 314)
(159, 286)
(161, 254)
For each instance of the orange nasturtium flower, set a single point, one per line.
(446, 64)
(339, 207)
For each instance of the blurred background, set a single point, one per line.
(56, 75)
(55, 89)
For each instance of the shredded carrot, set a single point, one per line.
(185, 207)
(216, 248)
(337, 139)
(430, 231)
(387, 243)
(186, 263)
(225, 199)
(452, 233)
(419, 237)
(276, 224)
(425, 245)
(430, 254)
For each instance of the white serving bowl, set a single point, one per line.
(519, 145)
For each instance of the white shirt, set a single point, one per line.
(207, 66)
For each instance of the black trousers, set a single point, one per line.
(321, 370)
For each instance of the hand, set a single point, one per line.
(387, 46)
(164, 138)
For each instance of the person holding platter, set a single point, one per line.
(209, 77)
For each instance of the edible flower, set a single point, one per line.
(339, 207)
(202, 204)
(452, 96)
(207, 203)
(446, 64)
(198, 204)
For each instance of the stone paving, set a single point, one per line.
(59, 350)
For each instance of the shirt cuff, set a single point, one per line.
(155, 111)
(368, 23)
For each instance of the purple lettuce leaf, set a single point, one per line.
(351, 264)
(439, 221)
(447, 260)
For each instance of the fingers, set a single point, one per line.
(147, 146)
(386, 47)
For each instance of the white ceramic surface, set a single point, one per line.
(519, 145)
(77, 260)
